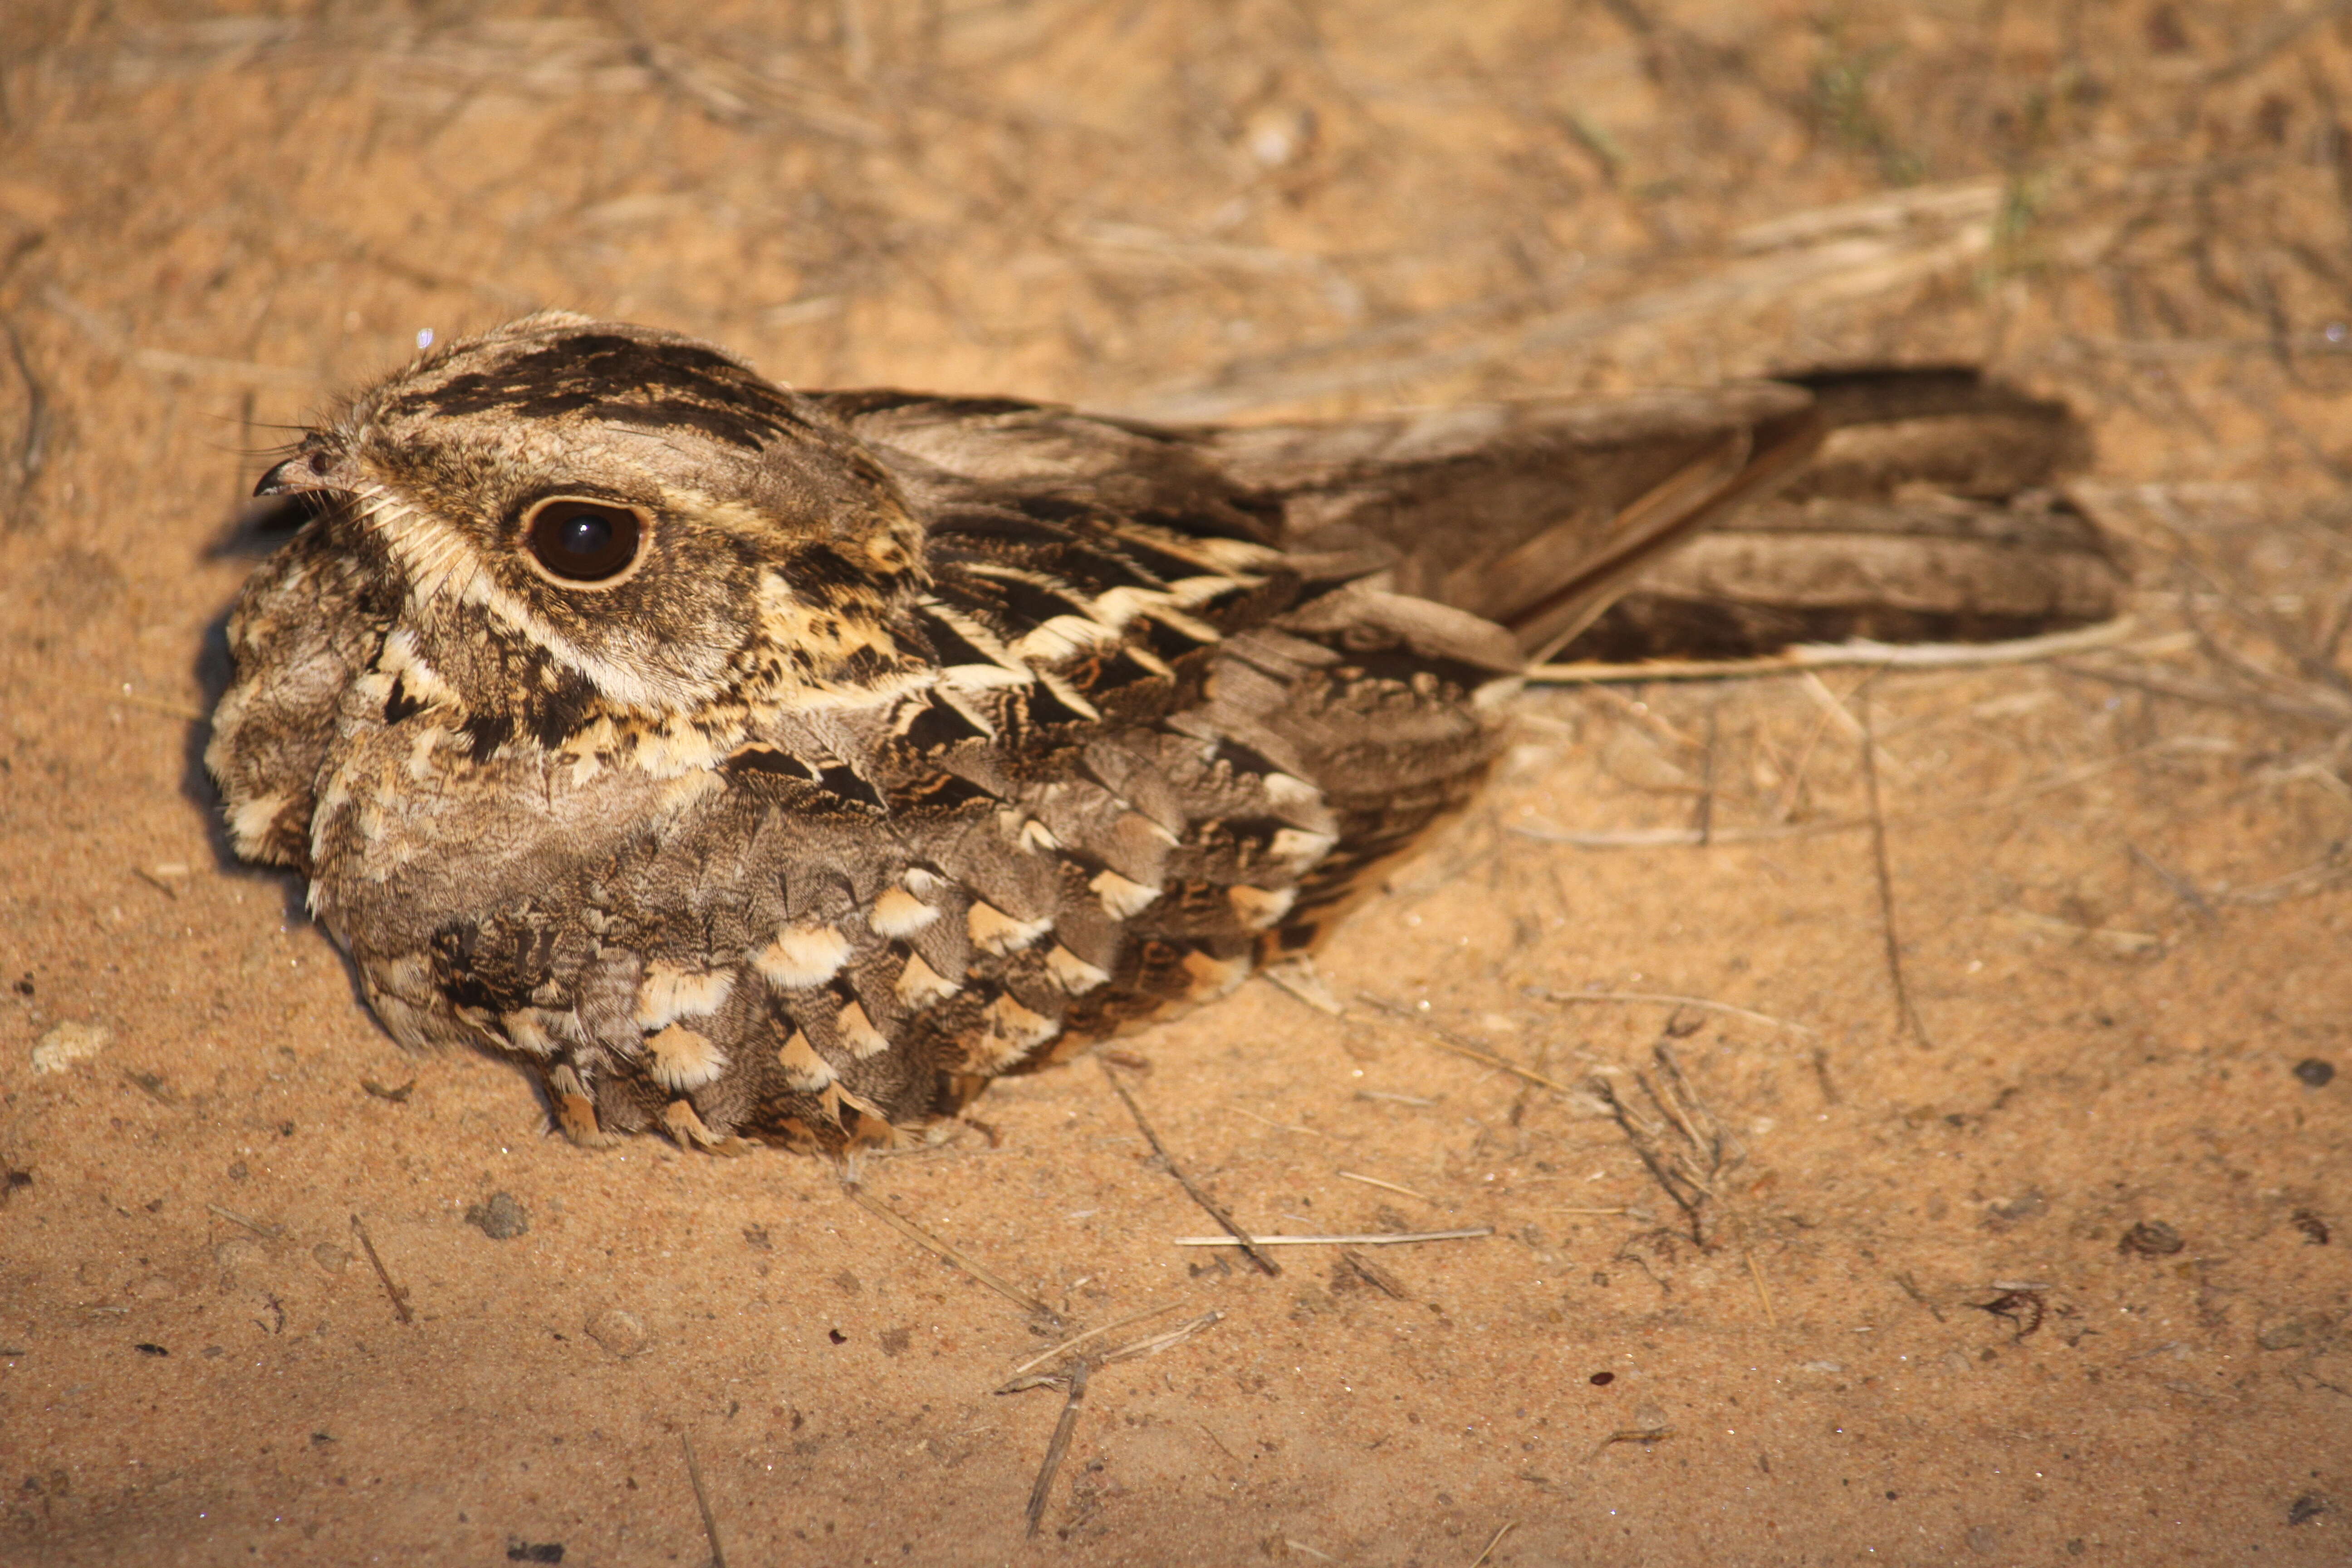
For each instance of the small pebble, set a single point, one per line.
(2283, 1336)
(331, 1258)
(2151, 1238)
(500, 1219)
(622, 1334)
(2314, 1072)
(66, 1044)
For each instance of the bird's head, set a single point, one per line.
(608, 508)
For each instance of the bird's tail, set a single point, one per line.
(1899, 503)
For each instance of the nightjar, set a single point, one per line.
(761, 765)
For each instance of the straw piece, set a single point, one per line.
(1076, 1340)
(1857, 653)
(1378, 1238)
(1548, 994)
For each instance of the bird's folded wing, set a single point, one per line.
(1534, 515)
(1893, 501)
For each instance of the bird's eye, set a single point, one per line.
(583, 541)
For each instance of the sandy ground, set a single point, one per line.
(2056, 1272)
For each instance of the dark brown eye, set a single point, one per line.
(583, 541)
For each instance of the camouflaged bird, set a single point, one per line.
(761, 765)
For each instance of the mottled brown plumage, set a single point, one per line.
(760, 765)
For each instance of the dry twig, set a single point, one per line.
(1390, 1186)
(1076, 1340)
(1447, 1040)
(367, 1244)
(1763, 1295)
(268, 1232)
(1687, 1170)
(933, 1244)
(1548, 995)
(32, 443)
(1492, 1542)
(1829, 1094)
(1911, 1289)
(1369, 1238)
(702, 1501)
(1297, 977)
(1371, 1273)
(1235, 1236)
(2180, 887)
(1645, 1436)
(1059, 1446)
(1155, 1344)
(1908, 1015)
(1151, 1344)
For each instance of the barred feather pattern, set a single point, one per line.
(1071, 761)
(864, 912)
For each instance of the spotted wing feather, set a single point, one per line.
(880, 908)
